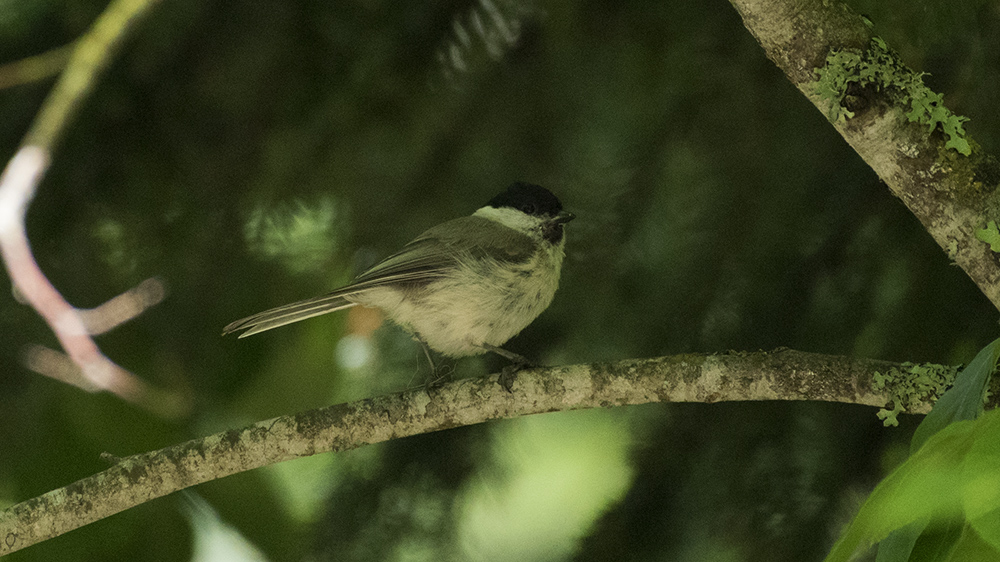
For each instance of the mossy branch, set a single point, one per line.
(778, 375)
(901, 128)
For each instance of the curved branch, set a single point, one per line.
(778, 375)
(83, 365)
(947, 188)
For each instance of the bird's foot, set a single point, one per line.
(509, 374)
(438, 377)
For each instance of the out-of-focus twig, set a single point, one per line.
(92, 55)
(83, 365)
(124, 307)
(35, 68)
(17, 186)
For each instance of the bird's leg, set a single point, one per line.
(436, 378)
(427, 353)
(509, 373)
(508, 355)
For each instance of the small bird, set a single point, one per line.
(463, 287)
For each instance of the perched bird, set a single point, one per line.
(463, 287)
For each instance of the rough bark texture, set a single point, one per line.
(779, 375)
(951, 194)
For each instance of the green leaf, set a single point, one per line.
(924, 488)
(899, 544)
(964, 400)
(950, 481)
(972, 548)
(938, 542)
(987, 526)
(981, 491)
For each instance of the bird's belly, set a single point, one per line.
(461, 324)
(455, 318)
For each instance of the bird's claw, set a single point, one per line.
(439, 377)
(509, 374)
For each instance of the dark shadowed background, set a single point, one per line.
(254, 153)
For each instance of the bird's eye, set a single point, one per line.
(528, 209)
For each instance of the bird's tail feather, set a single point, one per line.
(286, 314)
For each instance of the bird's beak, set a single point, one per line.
(564, 217)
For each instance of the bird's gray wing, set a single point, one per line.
(435, 252)
(418, 262)
(430, 256)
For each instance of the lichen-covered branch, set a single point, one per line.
(778, 375)
(899, 127)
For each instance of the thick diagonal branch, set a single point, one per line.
(950, 191)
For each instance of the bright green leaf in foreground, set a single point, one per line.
(963, 401)
(972, 548)
(981, 474)
(899, 544)
(987, 526)
(952, 477)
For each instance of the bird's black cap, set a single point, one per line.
(528, 198)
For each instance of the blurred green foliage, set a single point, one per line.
(256, 153)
